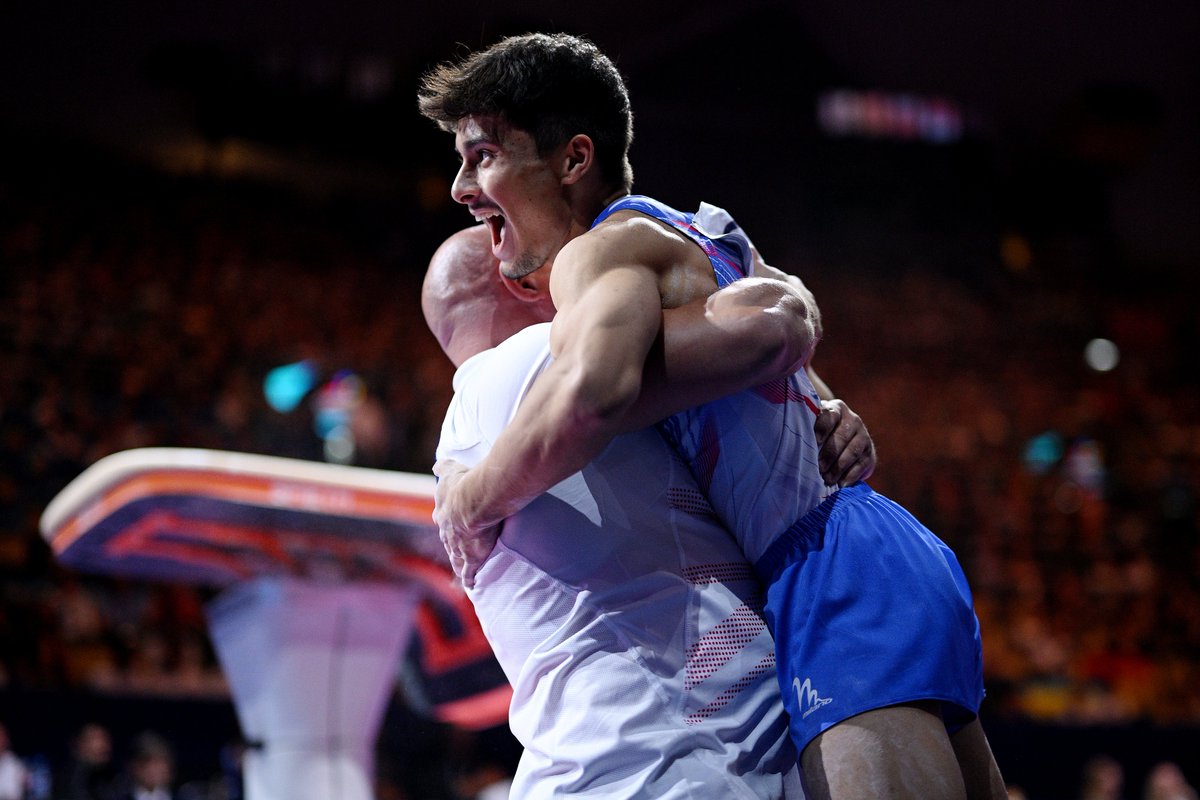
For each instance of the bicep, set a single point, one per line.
(609, 316)
(605, 285)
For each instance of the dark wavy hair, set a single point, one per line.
(552, 86)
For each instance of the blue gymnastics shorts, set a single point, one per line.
(869, 609)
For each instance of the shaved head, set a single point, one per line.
(469, 306)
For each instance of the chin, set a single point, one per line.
(522, 266)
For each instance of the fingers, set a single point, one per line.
(847, 453)
(826, 423)
(855, 463)
(834, 430)
(468, 551)
(467, 548)
(458, 549)
(459, 565)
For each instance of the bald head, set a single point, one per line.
(469, 306)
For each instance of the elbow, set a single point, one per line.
(797, 334)
(811, 310)
(784, 343)
(777, 328)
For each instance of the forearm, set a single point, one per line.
(747, 334)
(600, 339)
(555, 433)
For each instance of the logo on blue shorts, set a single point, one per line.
(807, 698)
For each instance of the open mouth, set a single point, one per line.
(495, 224)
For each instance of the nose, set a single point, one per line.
(464, 189)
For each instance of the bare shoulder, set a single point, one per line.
(632, 240)
(631, 236)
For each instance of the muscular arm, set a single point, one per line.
(575, 406)
(748, 333)
(614, 370)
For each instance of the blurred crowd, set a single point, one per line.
(139, 310)
(1069, 494)
(93, 770)
(150, 316)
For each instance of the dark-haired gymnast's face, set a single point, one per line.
(516, 192)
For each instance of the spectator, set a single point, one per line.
(14, 777)
(89, 774)
(1167, 782)
(151, 773)
(1103, 779)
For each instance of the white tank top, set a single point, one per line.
(627, 619)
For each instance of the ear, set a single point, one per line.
(579, 155)
(531, 288)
